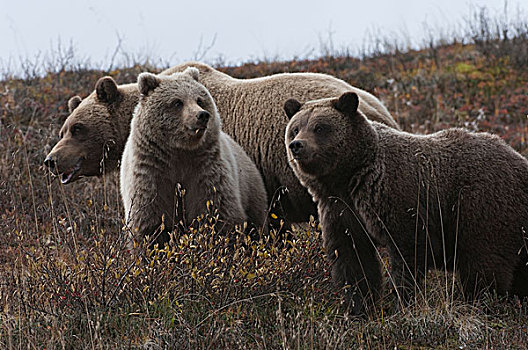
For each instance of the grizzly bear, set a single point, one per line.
(252, 115)
(451, 200)
(93, 136)
(176, 144)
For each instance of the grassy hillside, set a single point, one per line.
(67, 280)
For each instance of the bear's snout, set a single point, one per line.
(203, 117)
(296, 147)
(49, 162)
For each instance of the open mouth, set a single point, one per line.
(67, 176)
(198, 131)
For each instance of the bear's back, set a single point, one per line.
(452, 163)
(252, 113)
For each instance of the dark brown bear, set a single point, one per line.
(452, 200)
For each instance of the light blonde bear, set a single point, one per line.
(175, 140)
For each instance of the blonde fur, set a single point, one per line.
(169, 146)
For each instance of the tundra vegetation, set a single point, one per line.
(68, 280)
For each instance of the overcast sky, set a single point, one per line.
(237, 31)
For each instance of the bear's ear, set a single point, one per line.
(73, 103)
(291, 107)
(147, 82)
(193, 72)
(106, 90)
(347, 103)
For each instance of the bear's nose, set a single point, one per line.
(296, 147)
(203, 117)
(49, 162)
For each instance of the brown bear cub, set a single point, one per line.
(452, 200)
(176, 142)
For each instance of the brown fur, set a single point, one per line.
(94, 135)
(176, 140)
(252, 113)
(450, 200)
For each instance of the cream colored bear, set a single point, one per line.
(176, 140)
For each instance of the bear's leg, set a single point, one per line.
(355, 266)
(230, 210)
(479, 272)
(157, 228)
(519, 285)
(277, 219)
(408, 270)
(488, 257)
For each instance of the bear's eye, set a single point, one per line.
(295, 131)
(76, 129)
(201, 102)
(318, 129)
(176, 103)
